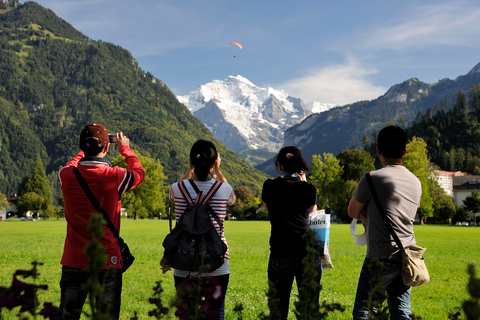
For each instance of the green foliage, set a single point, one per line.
(443, 205)
(460, 214)
(416, 160)
(335, 185)
(31, 202)
(307, 308)
(96, 253)
(355, 164)
(326, 175)
(472, 203)
(471, 306)
(28, 241)
(452, 135)
(37, 182)
(246, 205)
(4, 205)
(256, 156)
(54, 80)
(146, 200)
(49, 212)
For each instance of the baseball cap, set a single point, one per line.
(94, 137)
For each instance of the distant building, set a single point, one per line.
(445, 180)
(4, 214)
(463, 186)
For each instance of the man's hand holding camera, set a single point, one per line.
(119, 139)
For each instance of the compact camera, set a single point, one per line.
(112, 138)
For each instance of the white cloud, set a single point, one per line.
(454, 23)
(338, 84)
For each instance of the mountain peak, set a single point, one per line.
(475, 69)
(243, 115)
(239, 78)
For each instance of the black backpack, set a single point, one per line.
(194, 242)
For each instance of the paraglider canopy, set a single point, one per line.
(237, 43)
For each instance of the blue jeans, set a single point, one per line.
(218, 306)
(397, 292)
(73, 297)
(281, 272)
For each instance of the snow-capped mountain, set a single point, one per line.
(317, 107)
(244, 116)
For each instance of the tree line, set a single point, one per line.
(334, 177)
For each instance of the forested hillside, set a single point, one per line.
(54, 80)
(452, 132)
(352, 125)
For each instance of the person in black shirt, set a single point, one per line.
(289, 200)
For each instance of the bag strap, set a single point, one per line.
(94, 202)
(210, 192)
(383, 214)
(200, 195)
(184, 191)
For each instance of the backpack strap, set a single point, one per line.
(213, 189)
(205, 198)
(184, 191)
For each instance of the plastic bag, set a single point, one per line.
(359, 239)
(320, 223)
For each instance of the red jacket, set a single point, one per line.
(107, 184)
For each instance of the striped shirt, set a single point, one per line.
(224, 195)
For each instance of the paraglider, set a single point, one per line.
(236, 43)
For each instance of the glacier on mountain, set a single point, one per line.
(244, 116)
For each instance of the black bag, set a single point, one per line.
(127, 257)
(194, 242)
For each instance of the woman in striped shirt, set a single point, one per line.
(204, 159)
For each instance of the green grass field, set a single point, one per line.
(449, 251)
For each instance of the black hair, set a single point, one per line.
(202, 156)
(392, 141)
(291, 160)
(93, 151)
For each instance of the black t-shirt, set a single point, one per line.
(289, 204)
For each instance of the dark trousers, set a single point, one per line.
(218, 306)
(73, 297)
(282, 271)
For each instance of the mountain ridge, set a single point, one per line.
(245, 116)
(54, 80)
(347, 126)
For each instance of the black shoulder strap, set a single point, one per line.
(94, 202)
(382, 212)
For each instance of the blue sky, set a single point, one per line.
(326, 51)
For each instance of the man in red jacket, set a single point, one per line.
(107, 184)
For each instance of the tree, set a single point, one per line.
(147, 199)
(4, 205)
(416, 160)
(355, 164)
(36, 182)
(444, 208)
(246, 205)
(326, 176)
(31, 202)
(472, 204)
